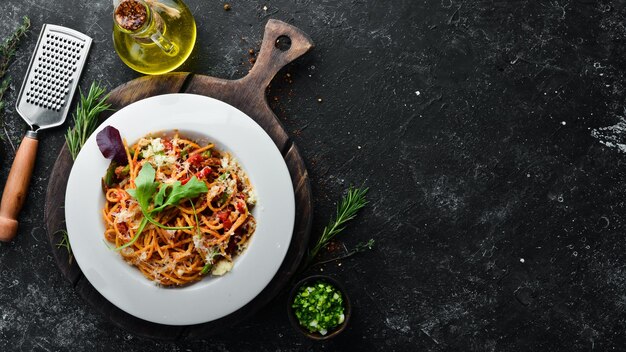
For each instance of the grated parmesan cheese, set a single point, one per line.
(214, 191)
(222, 267)
(199, 244)
(162, 159)
(252, 198)
(225, 161)
(125, 215)
(153, 148)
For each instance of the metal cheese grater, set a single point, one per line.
(43, 102)
(52, 76)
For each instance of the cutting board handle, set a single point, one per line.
(271, 58)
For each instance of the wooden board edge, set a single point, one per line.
(123, 320)
(54, 217)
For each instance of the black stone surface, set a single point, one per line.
(489, 133)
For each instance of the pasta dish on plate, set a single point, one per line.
(176, 209)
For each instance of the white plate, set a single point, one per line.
(213, 297)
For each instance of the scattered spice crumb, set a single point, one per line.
(319, 100)
(226, 7)
(358, 147)
(252, 60)
(563, 123)
(334, 246)
(265, 8)
(418, 93)
(521, 260)
(251, 51)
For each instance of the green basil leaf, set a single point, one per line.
(158, 199)
(192, 189)
(145, 186)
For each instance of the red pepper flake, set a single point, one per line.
(167, 144)
(195, 159)
(185, 180)
(224, 217)
(241, 207)
(228, 224)
(203, 173)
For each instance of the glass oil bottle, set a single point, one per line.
(153, 36)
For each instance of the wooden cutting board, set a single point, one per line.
(248, 95)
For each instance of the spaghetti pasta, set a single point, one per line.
(192, 238)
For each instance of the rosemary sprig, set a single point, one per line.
(65, 243)
(346, 211)
(7, 52)
(360, 247)
(86, 118)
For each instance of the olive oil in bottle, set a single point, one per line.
(153, 36)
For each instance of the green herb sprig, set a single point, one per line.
(346, 211)
(65, 243)
(360, 247)
(86, 118)
(7, 52)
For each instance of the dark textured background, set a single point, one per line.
(489, 132)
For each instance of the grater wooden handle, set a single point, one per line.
(16, 188)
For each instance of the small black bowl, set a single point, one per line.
(346, 302)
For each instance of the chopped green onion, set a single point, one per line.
(110, 177)
(224, 197)
(184, 152)
(125, 171)
(319, 307)
(206, 268)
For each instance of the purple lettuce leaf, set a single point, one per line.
(111, 145)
